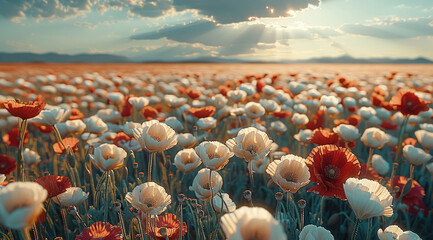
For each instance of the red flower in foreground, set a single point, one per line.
(11, 137)
(70, 142)
(54, 185)
(24, 110)
(7, 164)
(330, 166)
(149, 112)
(101, 230)
(202, 112)
(322, 136)
(76, 114)
(407, 102)
(171, 224)
(413, 199)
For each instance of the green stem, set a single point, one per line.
(355, 230)
(149, 167)
(400, 140)
(20, 163)
(107, 179)
(412, 168)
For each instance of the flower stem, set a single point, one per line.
(20, 162)
(107, 179)
(370, 155)
(412, 168)
(400, 140)
(250, 171)
(355, 230)
(149, 167)
(211, 189)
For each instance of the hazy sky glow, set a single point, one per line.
(250, 29)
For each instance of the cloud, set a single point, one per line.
(393, 28)
(38, 9)
(232, 11)
(222, 11)
(235, 38)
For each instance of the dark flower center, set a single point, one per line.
(332, 171)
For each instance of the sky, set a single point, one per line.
(268, 30)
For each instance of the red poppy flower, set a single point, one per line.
(369, 174)
(149, 112)
(70, 142)
(354, 119)
(353, 109)
(193, 94)
(388, 126)
(330, 166)
(322, 136)
(7, 164)
(101, 230)
(127, 107)
(413, 199)
(407, 102)
(282, 114)
(342, 143)
(11, 137)
(172, 226)
(317, 121)
(202, 112)
(24, 110)
(54, 185)
(76, 114)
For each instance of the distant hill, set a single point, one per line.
(109, 58)
(61, 58)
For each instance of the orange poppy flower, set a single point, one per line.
(7, 164)
(76, 114)
(407, 141)
(407, 102)
(171, 224)
(54, 185)
(101, 230)
(11, 137)
(330, 166)
(202, 112)
(193, 94)
(149, 112)
(121, 136)
(285, 149)
(24, 110)
(70, 142)
(413, 199)
(322, 136)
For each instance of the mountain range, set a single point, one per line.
(26, 57)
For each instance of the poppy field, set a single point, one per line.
(216, 151)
